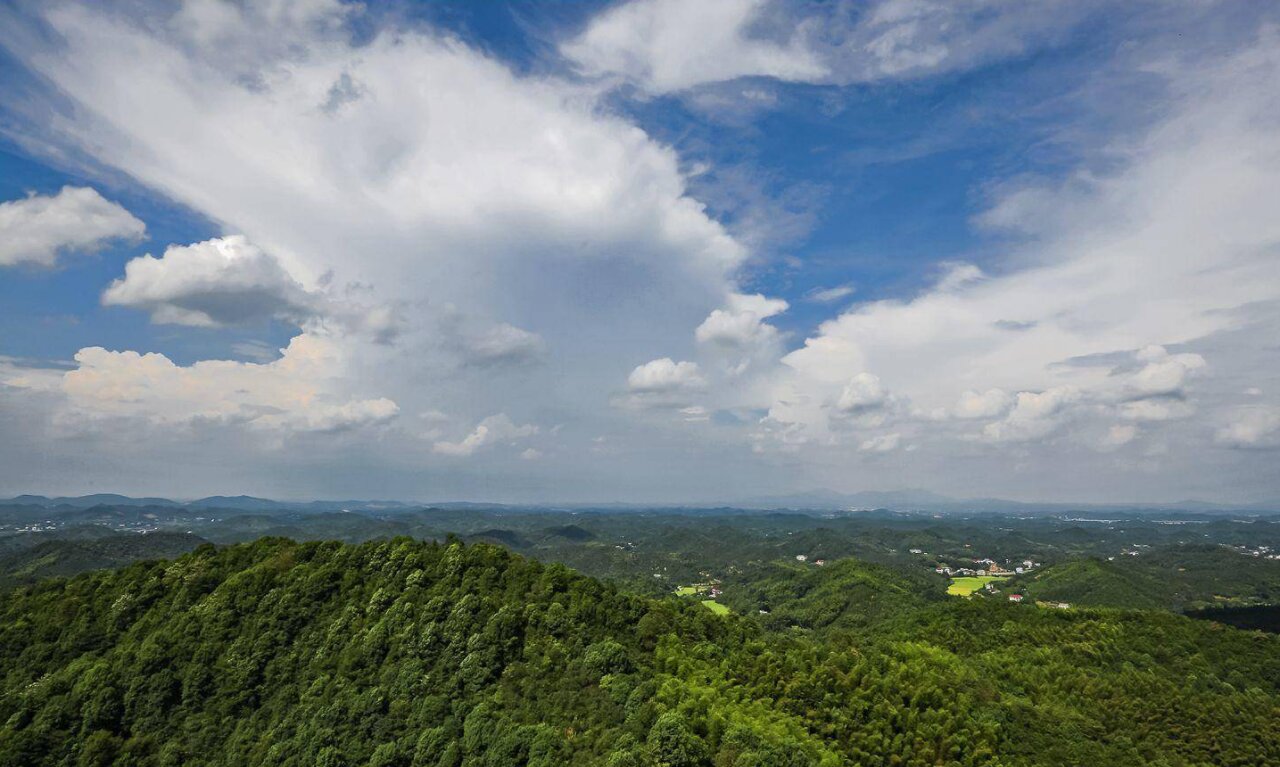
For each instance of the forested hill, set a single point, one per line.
(1169, 578)
(410, 654)
(845, 594)
(94, 550)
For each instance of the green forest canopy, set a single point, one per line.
(411, 653)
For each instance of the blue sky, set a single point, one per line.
(642, 251)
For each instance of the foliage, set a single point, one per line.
(1172, 578)
(845, 594)
(407, 653)
(72, 554)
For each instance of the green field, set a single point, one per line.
(686, 591)
(966, 585)
(715, 607)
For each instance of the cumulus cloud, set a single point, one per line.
(1118, 436)
(36, 229)
(664, 385)
(1163, 374)
(739, 334)
(1035, 415)
(864, 393)
(495, 429)
(217, 282)
(670, 45)
(230, 281)
(663, 376)
(741, 324)
(406, 160)
(991, 403)
(295, 393)
(437, 177)
(505, 344)
(1251, 427)
(449, 163)
(1138, 262)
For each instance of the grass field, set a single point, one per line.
(966, 585)
(686, 591)
(715, 607)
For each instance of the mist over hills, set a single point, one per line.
(231, 503)
(813, 500)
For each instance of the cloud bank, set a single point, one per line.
(496, 281)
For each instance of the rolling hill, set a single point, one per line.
(403, 653)
(1169, 578)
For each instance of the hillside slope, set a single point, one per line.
(1172, 578)
(28, 558)
(407, 653)
(844, 594)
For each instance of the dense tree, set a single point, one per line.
(410, 654)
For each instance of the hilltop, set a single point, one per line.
(408, 653)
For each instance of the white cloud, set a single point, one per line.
(1154, 410)
(1118, 436)
(1130, 259)
(740, 325)
(671, 45)
(664, 385)
(1251, 427)
(505, 344)
(230, 281)
(222, 281)
(884, 443)
(913, 38)
(36, 229)
(862, 394)
(1164, 373)
(991, 403)
(665, 46)
(1035, 415)
(349, 415)
(437, 177)
(295, 393)
(407, 162)
(829, 295)
(663, 376)
(695, 414)
(956, 276)
(447, 163)
(493, 430)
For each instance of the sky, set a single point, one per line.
(649, 251)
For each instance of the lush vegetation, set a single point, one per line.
(1172, 578)
(84, 550)
(654, 551)
(844, 594)
(410, 653)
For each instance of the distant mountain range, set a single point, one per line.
(924, 500)
(814, 500)
(233, 503)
